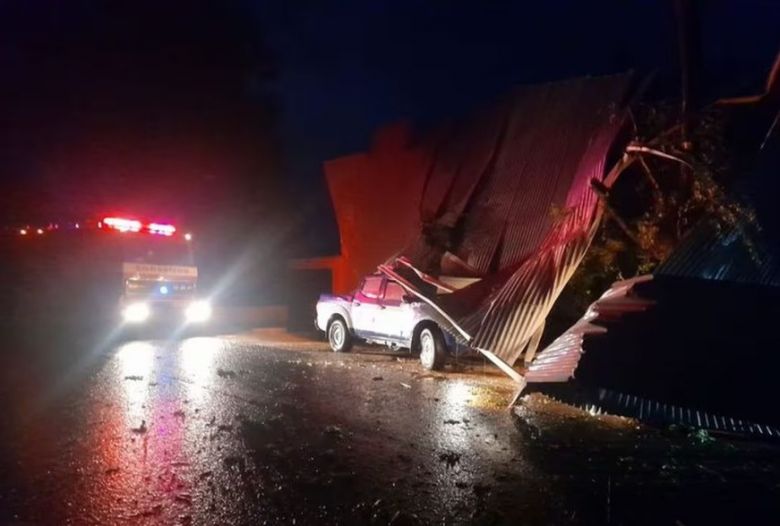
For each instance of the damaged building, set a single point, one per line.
(487, 220)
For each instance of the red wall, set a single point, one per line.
(376, 196)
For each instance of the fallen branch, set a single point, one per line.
(635, 148)
(657, 194)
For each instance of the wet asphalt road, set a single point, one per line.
(263, 429)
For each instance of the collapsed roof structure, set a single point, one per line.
(692, 343)
(509, 201)
(488, 219)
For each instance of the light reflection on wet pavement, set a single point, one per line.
(246, 430)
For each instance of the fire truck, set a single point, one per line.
(121, 270)
(159, 275)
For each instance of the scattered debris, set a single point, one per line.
(377, 378)
(134, 377)
(222, 373)
(179, 413)
(156, 510)
(235, 461)
(406, 385)
(701, 436)
(403, 519)
(224, 427)
(449, 457)
(334, 430)
(452, 422)
(186, 498)
(140, 429)
(111, 471)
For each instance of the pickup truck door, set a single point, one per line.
(395, 314)
(366, 307)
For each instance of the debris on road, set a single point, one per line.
(140, 429)
(334, 431)
(449, 457)
(134, 377)
(403, 519)
(186, 498)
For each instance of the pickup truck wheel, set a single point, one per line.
(339, 337)
(432, 349)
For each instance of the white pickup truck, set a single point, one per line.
(380, 311)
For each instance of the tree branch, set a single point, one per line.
(603, 193)
(658, 153)
(657, 194)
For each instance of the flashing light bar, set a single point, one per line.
(122, 225)
(131, 225)
(164, 230)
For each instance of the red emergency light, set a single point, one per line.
(122, 224)
(161, 229)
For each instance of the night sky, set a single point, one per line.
(200, 108)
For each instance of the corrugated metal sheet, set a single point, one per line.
(657, 412)
(505, 322)
(715, 254)
(462, 158)
(558, 361)
(672, 350)
(530, 215)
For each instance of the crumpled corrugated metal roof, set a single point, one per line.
(672, 350)
(515, 204)
(720, 254)
(558, 361)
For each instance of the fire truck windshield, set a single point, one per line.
(157, 250)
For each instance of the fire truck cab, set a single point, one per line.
(159, 276)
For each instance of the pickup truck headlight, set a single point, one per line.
(136, 312)
(198, 311)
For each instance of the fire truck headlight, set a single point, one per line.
(136, 312)
(198, 311)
